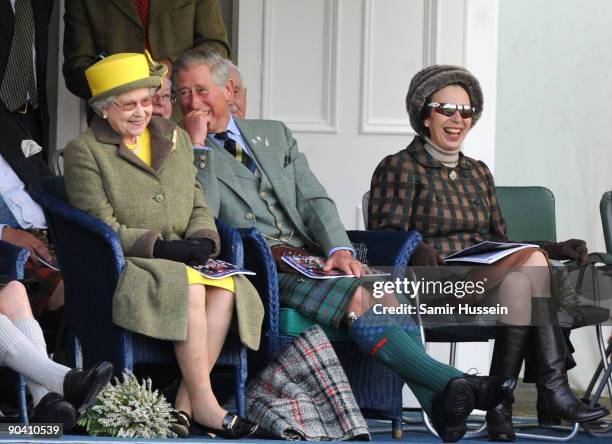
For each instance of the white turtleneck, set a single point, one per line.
(445, 157)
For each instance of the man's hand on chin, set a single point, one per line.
(196, 124)
(343, 260)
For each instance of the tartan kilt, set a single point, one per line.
(41, 282)
(325, 300)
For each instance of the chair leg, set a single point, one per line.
(396, 428)
(23, 404)
(240, 376)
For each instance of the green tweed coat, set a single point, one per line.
(112, 26)
(143, 204)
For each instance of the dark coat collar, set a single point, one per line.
(417, 150)
(163, 139)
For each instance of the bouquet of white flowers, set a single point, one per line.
(129, 409)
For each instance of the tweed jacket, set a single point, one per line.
(112, 26)
(410, 190)
(143, 204)
(299, 193)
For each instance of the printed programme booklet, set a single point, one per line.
(312, 267)
(218, 269)
(487, 252)
(49, 264)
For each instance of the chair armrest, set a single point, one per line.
(258, 258)
(60, 208)
(231, 244)
(386, 248)
(13, 260)
(600, 257)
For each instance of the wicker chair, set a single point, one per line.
(91, 259)
(377, 389)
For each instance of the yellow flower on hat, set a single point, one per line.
(123, 72)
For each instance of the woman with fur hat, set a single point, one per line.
(135, 172)
(432, 187)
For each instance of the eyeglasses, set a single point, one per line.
(448, 109)
(129, 106)
(163, 98)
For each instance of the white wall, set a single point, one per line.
(554, 106)
(554, 116)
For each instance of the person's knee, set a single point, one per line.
(515, 292)
(197, 298)
(537, 259)
(360, 302)
(14, 302)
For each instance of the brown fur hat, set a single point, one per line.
(433, 78)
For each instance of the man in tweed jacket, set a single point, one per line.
(254, 176)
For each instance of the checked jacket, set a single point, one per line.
(452, 208)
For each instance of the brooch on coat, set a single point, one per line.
(174, 133)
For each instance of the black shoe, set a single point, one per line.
(81, 387)
(233, 427)
(451, 408)
(181, 424)
(499, 423)
(53, 408)
(490, 391)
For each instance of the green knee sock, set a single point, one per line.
(385, 340)
(424, 395)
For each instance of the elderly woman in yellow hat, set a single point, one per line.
(135, 172)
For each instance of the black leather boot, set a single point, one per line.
(556, 401)
(508, 354)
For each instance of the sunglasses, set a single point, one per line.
(448, 109)
(129, 106)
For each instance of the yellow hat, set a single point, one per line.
(119, 73)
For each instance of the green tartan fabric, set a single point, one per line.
(322, 299)
(452, 208)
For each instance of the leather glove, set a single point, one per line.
(425, 256)
(569, 249)
(186, 251)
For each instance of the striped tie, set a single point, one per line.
(237, 151)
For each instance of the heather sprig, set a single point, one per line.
(129, 409)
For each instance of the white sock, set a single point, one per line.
(31, 329)
(18, 353)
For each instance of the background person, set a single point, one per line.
(24, 26)
(432, 187)
(166, 28)
(238, 99)
(135, 173)
(59, 394)
(255, 176)
(23, 223)
(163, 99)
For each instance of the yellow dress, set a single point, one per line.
(142, 148)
